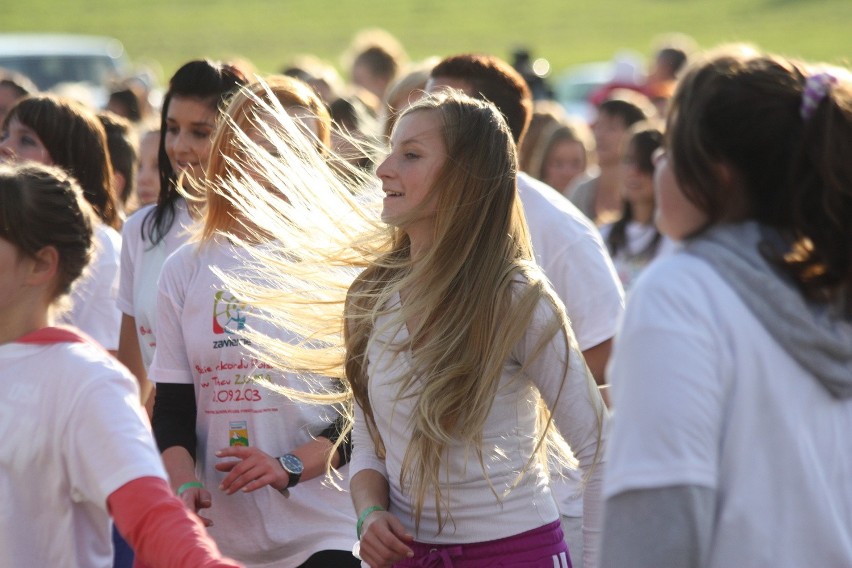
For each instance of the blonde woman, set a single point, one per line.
(456, 350)
(249, 460)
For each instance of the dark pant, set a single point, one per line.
(332, 559)
(122, 553)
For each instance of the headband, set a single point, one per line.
(816, 88)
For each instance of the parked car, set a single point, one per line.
(54, 59)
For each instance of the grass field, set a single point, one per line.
(269, 32)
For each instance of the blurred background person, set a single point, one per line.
(130, 100)
(557, 150)
(599, 197)
(406, 89)
(124, 157)
(148, 171)
(13, 86)
(633, 239)
(374, 59)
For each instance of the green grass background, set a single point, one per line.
(269, 32)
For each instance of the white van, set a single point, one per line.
(53, 59)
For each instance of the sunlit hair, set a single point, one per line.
(75, 140)
(741, 150)
(250, 110)
(472, 293)
(43, 206)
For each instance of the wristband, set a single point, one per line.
(188, 485)
(364, 516)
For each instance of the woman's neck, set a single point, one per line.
(643, 212)
(420, 242)
(24, 318)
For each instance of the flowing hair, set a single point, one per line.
(470, 297)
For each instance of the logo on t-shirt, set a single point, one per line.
(228, 313)
(229, 318)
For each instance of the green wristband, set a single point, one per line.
(364, 516)
(188, 485)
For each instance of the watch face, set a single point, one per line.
(292, 464)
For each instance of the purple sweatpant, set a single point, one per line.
(543, 547)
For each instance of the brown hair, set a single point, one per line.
(43, 206)
(123, 151)
(740, 109)
(76, 142)
(494, 80)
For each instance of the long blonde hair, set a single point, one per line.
(472, 293)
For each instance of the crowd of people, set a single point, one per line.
(289, 320)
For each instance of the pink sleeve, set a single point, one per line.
(161, 531)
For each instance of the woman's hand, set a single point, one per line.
(384, 540)
(252, 470)
(195, 499)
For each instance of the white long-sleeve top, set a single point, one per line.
(483, 504)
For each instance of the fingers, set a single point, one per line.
(195, 499)
(253, 470)
(383, 540)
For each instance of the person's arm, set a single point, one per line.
(174, 429)
(678, 520)
(254, 468)
(383, 539)
(130, 355)
(160, 530)
(578, 411)
(596, 359)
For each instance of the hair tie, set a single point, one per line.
(816, 87)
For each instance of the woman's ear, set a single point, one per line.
(44, 267)
(736, 196)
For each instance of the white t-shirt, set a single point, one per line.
(629, 261)
(94, 295)
(477, 513)
(200, 342)
(704, 396)
(141, 264)
(73, 433)
(569, 249)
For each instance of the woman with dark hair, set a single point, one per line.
(633, 240)
(732, 372)
(191, 107)
(60, 390)
(55, 131)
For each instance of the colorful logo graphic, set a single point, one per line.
(228, 313)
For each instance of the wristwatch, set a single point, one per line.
(294, 468)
